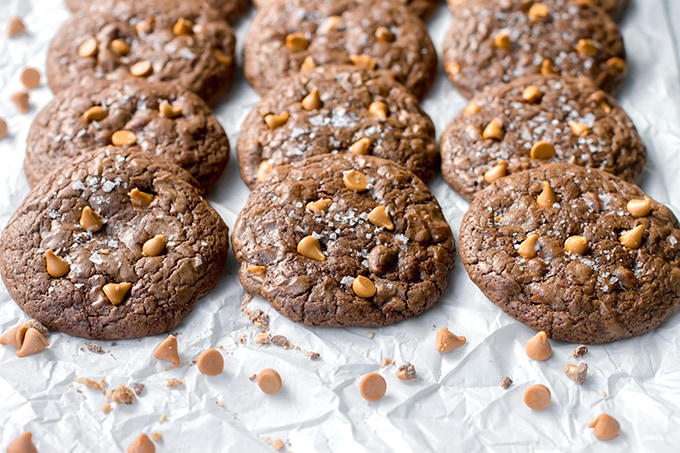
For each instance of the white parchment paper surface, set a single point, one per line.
(455, 404)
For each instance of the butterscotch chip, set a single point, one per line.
(532, 94)
(120, 47)
(537, 397)
(547, 68)
(632, 239)
(33, 343)
(30, 78)
(15, 337)
(278, 444)
(211, 362)
(296, 42)
(527, 249)
(496, 172)
(502, 40)
(538, 347)
(538, 11)
(154, 246)
(139, 198)
(56, 266)
(361, 147)
(310, 247)
(156, 436)
(90, 220)
(547, 198)
(363, 287)
(471, 108)
(123, 138)
(22, 444)
(447, 341)
(169, 111)
(15, 26)
(406, 372)
(308, 64)
(312, 101)
(141, 444)
(577, 245)
(355, 180)
(494, 130)
(4, 130)
(88, 48)
(263, 170)
(21, 100)
(269, 381)
(106, 408)
(542, 150)
(168, 351)
(605, 427)
(141, 69)
(372, 387)
(273, 121)
(183, 27)
(381, 218)
(116, 292)
(363, 61)
(576, 373)
(319, 206)
(639, 207)
(384, 34)
(586, 47)
(95, 113)
(223, 58)
(618, 64)
(378, 109)
(146, 26)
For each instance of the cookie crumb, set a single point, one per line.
(32, 323)
(163, 418)
(219, 403)
(121, 395)
(243, 339)
(278, 444)
(173, 383)
(506, 382)
(253, 377)
(138, 387)
(92, 384)
(279, 340)
(386, 362)
(258, 318)
(370, 335)
(262, 339)
(312, 355)
(580, 351)
(576, 373)
(604, 394)
(106, 408)
(15, 27)
(95, 348)
(156, 436)
(406, 372)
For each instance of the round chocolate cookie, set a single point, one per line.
(182, 42)
(161, 118)
(615, 8)
(534, 120)
(575, 252)
(343, 240)
(336, 109)
(422, 8)
(491, 41)
(117, 245)
(296, 35)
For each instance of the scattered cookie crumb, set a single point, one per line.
(312, 355)
(253, 377)
(386, 362)
(172, 383)
(580, 351)
(121, 395)
(262, 339)
(258, 318)
(138, 387)
(15, 27)
(576, 373)
(604, 394)
(219, 403)
(156, 436)
(279, 340)
(406, 372)
(243, 339)
(278, 444)
(95, 348)
(370, 335)
(163, 418)
(106, 408)
(506, 382)
(92, 384)
(32, 323)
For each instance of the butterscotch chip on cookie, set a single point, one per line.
(344, 240)
(336, 109)
(422, 8)
(491, 41)
(621, 279)
(72, 255)
(161, 118)
(173, 41)
(510, 122)
(298, 35)
(615, 8)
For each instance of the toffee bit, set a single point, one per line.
(580, 351)
(506, 382)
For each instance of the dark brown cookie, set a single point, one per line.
(117, 245)
(295, 35)
(422, 8)
(491, 41)
(575, 252)
(615, 8)
(534, 120)
(163, 119)
(336, 109)
(178, 42)
(343, 240)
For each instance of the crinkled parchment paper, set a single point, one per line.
(455, 404)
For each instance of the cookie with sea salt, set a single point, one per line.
(117, 245)
(575, 252)
(615, 8)
(344, 240)
(296, 35)
(178, 41)
(336, 109)
(534, 120)
(422, 8)
(491, 41)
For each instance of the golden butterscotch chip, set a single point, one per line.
(146, 26)
(355, 180)
(606, 107)
(269, 381)
(360, 147)
(106, 408)
(273, 121)
(378, 109)
(319, 206)
(538, 11)
(547, 68)
(496, 172)
(156, 436)
(88, 48)
(639, 207)
(538, 347)
(617, 64)
(547, 197)
(527, 249)
(120, 47)
(210, 362)
(384, 34)
(372, 387)
(90, 220)
(33, 343)
(312, 101)
(586, 47)
(15, 26)
(532, 94)
(493, 130)
(95, 113)
(168, 110)
(579, 129)
(56, 266)
(502, 40)
(141, 69)
(139, 198)
(263, 169)
(4, 130)
(142, 444)
(22, 444)
(471, 108)
(537, 397)
(363, 287)
(297, 42)
(183, 27)
(222, 57)
(259, 271)
(309, 247)
(307, 64)
(577, 245)
(154, 246)
(380, 217)
(632, 239)
(453, 68)
(30, 78)
(116, 292)
(605, 427)
(542, 150)
(363, 61)
(92, 384)
(446, 341)
(21, 101)
(278, 444)
(15, 337)
(123, 138)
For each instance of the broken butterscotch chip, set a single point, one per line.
(169, 111)
(33, 343)
(263, 170)
(579, 129)
(447, 341)
(222, 57)
(363, 61)
(116, 292)
(319, 206)
(168, 351)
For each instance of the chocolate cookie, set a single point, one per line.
(117, 245)
(336, 109)
(491, 41)
(615, 8)
(343, 240)
(161, 118)
(297, 35)
(422, 8)
(575, 252)
(180, 42)
(534, 120)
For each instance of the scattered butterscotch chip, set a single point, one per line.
(120, 47)
(269, 381)
(92, 384)
(605, 427)
(527, 249)
(138, 387)
(273, 121)
(580, 351)
(122, 395)
(386, 361)
(502, 40)
(381, 218)
(169, 111)
(21, 100)
(537, 397)
(116, 292)
(56, 265)
(384, 34)
(471, 108)
(141, 69)
(154, 246)
(30, 78)
(496, 172)
(210, 362)
(106, 408)
(222, 57)
(378, 109)
(22, 444)
(263, 169)
(93, 347)
(34, 342)
(168, 351)
(542, 150)
(296, 42)
(547, 197)
(632, 239)
(174, 383)
(139, 198)
(406, 372)
(182, 27)
(447, 341)
(639, 207)
(309, 247)
(123, 138)
(88, 48)
(312, 101)
(363, 61)
(538, 11)
(360, 147)
(494, 130)
(506, 382)
(586, 47)
(355, 180)
(278, 444)
(15, 337)
(4, 129)
(579, 129)
(372, 387)
(307, 64)
(90, 220)
(577, 245)
(532, 94)
(363, 287)
(259, 271)
(95, 113)
(142, 444)
(538, 347)
(156, 436)
(576, 373)
(15, 26)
